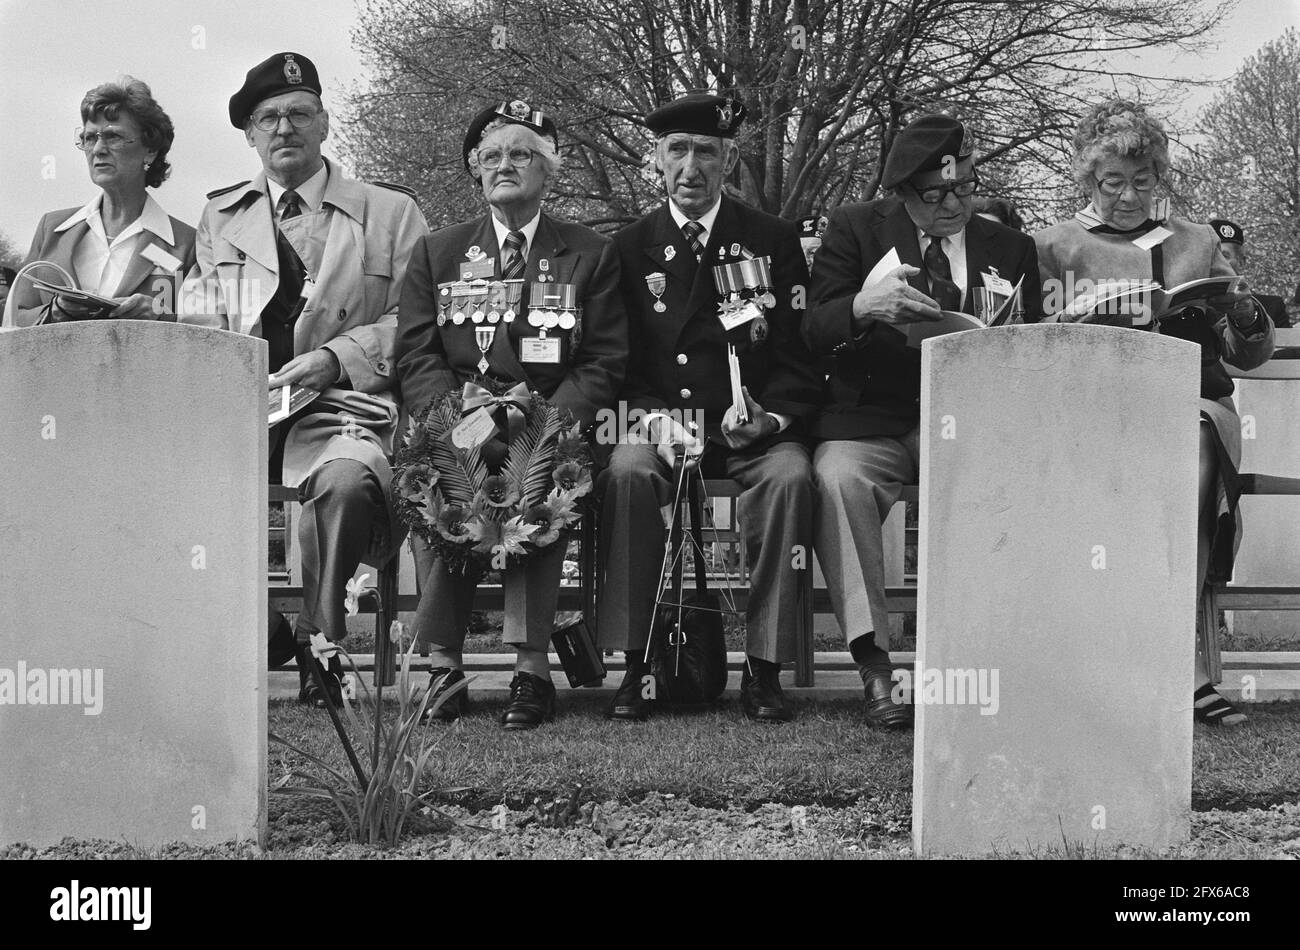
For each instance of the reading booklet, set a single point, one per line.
(285, 401)
(998, 310)
(100, 306)
(1142, 300)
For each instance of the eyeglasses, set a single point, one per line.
(112, 140)
(268, 120)
(962, 189)
(1114, 186)
(491, 158)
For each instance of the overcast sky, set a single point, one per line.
(194, 54)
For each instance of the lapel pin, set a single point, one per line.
(670, 252)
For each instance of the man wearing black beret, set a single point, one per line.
(312, 262)
(521, 256)
(870, 426)
(1232, 242)
(679, 369)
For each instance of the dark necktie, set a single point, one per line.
(513, 268)
(692, 230)
(295, 274)
(942, 289)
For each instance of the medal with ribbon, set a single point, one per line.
(657, 283)
(483, 337)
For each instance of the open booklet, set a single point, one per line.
(286, 400)
(1141, 300)
(996, 310)
(997, 303)
(96, 305)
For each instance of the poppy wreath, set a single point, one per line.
(471, 504)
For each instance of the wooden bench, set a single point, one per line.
(285, 596)
(1285, 365)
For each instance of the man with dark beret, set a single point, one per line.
(682, 268)
(870, 426)
(1232, 242)
(523, 257)
(312, 262)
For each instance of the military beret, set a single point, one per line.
(923, 146)
(516, 112)
(1228, 232)
(283, 72)
(699, 113)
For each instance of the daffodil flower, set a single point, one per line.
(355, 588)
(322, 648)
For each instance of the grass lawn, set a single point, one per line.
(713, 785)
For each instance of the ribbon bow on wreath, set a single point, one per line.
(515, 401)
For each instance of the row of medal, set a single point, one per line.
(745, 291)
(550, 305)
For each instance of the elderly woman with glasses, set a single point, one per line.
(513, 297)
(122, 245)
(1125, 234)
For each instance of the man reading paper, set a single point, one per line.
(870, 426)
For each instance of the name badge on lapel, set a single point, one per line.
(534, 349)
(482, 269)
(159, 258)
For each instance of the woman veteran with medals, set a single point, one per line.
(1124, 234)
(493, 309)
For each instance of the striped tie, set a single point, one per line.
(945, 293)
(514, 265)
(693, 230)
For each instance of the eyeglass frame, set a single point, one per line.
(253, 117)
(505, 152)
(1128, 183)
(944, 190)
(80, 138)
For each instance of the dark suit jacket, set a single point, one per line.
(433, 359)
(679, 357)
(142, 276)
(875, 382)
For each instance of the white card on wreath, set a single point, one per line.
(473, 430)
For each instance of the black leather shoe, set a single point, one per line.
(281, 646)
(760, 692)
(441, 679)
(629, 703)
(308, 691)
(532, 702)
(882, 711)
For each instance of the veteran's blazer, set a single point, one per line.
(592, 355)
(875, 383)
(679, 355)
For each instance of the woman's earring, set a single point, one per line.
(146, 165)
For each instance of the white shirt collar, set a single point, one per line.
(952, 244)
(502, 229)
(152, 218)
(706, 220)
(311, 193)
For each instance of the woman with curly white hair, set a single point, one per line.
(1121, 155)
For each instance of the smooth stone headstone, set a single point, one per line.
(1065, 708)
(133, 556)
(1270, 545)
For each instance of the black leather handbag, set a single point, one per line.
(688, 649)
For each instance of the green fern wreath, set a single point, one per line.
(470, 512)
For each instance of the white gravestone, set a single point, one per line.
(133, 600)
(1057, 605)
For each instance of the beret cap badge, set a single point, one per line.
(292, 71)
